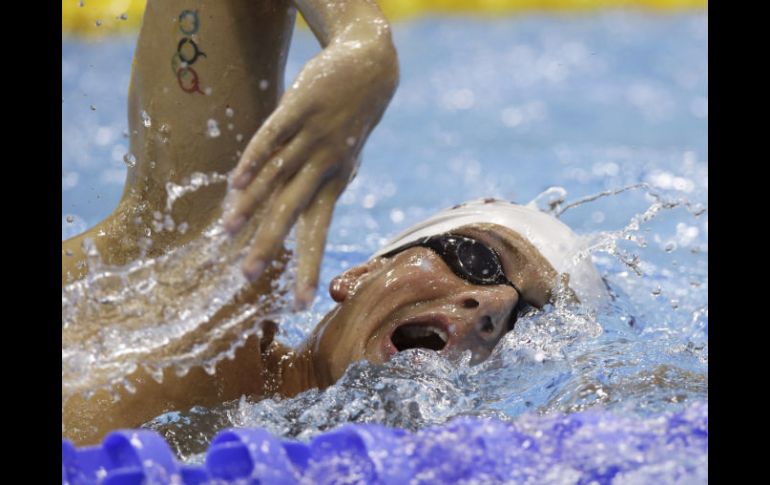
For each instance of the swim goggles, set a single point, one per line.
(469, 259)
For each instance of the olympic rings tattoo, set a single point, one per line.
(187, 53)
(188, 80)
(196, 52)
(192, 16)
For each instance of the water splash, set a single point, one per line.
(176, 310)
(559, 359)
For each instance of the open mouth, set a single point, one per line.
(419, 336)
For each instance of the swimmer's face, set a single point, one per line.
(413, 299)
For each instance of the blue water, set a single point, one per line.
(503, 108)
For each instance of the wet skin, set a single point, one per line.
(411, 299)
(416, 288)
(307, 141)
(377, 300)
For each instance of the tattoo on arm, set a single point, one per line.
(187, 53)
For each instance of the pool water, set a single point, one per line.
(504, 108)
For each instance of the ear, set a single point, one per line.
(341, 286)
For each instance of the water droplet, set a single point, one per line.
(669, 247)
(125, 133)
(152, 164)
(229, 112)
(156, 374)
(213, 128)
(369, 201)
(147, 231)
(68, 252)
(70, 219)
(82, 3)
(123, 16)
(168, 223)
(181, 370)
(674, 304)
(656, 291)
(98, 23)
(146, 119)
(351, 141)
(263, 84)
(129, 387)
(230, 126)
(93, 108)
(238, 137)
(182, 228)
(207, 91)
(129, 159)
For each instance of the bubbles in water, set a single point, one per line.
(123, 16)
(98, 23)
(129, 159)
(70, 219)
(93, 108)
(213, 128)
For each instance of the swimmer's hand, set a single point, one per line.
(307, 151)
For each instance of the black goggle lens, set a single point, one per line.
(479, 263)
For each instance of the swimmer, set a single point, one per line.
(206, 96)
(206, 75)
(456, 282)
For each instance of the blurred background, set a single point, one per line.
(507, 97)
(497, 98)
(83, 21)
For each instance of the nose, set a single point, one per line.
(484, 316)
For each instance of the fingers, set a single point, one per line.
(281, 216)
(275, 131)
(312, 228)
(281, 166)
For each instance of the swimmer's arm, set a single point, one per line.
(87, 421)
(307, 151)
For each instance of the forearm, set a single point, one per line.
(344, 20)
(358, 24)
(86, 421)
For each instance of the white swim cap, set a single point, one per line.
(561, 247)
